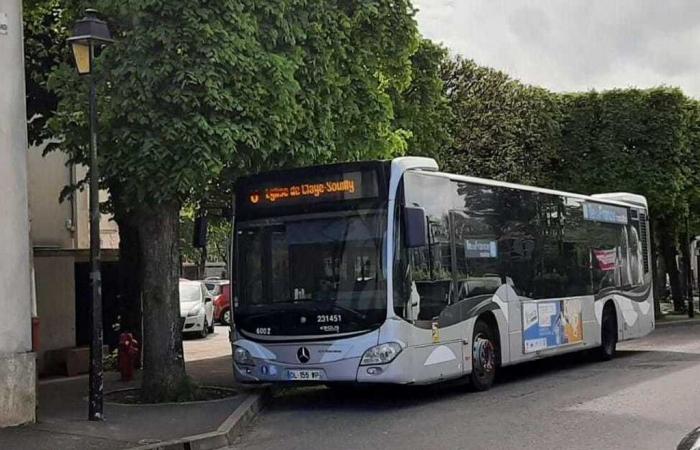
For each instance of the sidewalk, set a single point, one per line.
(670, 317)
(62, 417)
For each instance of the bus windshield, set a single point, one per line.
(311, 275)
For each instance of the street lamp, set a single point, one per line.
(90, 33)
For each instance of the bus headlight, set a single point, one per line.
(242, 357)
(381, 354)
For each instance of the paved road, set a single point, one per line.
(213, 346)
(647, 398)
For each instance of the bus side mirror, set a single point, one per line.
(199, 238)
(414, 224)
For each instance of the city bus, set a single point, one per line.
(394, 272)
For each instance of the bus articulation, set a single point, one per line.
(394, 272)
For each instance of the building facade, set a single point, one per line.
(60, 238)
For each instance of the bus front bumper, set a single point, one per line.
(321, 362)
(266, 371)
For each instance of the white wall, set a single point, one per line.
(15, 334)
(50, 219)
(17, 363)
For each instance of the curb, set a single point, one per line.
(670, 323)
(225, 435)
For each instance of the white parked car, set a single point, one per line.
(196, 308)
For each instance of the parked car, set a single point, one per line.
(196, 308)
(222, 304)
(214, 285)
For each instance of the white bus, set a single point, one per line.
(394, 272)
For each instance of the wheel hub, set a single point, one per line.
(484, 355)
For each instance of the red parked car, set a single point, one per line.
(222, 304)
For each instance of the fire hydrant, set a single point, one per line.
(128, 351)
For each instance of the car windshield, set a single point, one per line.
(327, 268)
(190, 293)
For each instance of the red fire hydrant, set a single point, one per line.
(126, 356)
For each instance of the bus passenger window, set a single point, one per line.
(477, 264)
(432, 272)
(430, 266)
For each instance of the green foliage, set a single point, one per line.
(353, 56)
(692, 168)
(188, 253)
(502, 129)
(422, 108)
(44, 49)
(218, 237)
(190, 89)
(627, 140)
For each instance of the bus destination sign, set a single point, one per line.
(343, 186)
(605, 213)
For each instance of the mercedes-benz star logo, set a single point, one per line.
(303, 355)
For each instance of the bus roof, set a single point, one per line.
(428, 165)
(619, 198)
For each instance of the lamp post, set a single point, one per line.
(90, 33)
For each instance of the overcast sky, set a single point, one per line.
(573, 45)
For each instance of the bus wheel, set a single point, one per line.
(608, 334)
(484, 351)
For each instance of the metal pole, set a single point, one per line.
(96, 375)
(689, 275)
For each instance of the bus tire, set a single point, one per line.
(484, 356)
(608, 334)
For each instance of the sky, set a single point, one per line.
(574, 45)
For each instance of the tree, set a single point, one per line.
(44, 49)
(634, 141)
(192, 88)
(502, 129)
(422, 109)
(218, 237)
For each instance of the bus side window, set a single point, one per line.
(432, 270)
(431, 266)
(475, 226)
(636, 252)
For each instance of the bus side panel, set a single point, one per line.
(590, 327)
(635, 312)
(435, 354)
(428, 355)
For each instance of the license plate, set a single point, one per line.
(304, 375)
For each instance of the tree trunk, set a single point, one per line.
(164, 377)
(202, 263)
(130, 308)
(667, 235)
(687, 276)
